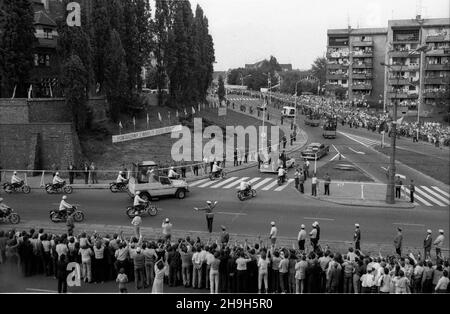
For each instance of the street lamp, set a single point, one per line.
(390, 192)
(296, 84)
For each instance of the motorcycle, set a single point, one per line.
(245, 195)
(56, 216)
(9, 188)
(10, 216)
(216, 175)
(58, 188)
(118, 186)
(149, 209)
(281, 180)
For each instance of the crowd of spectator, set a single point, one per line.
(219, 266)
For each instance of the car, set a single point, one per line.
(288, 112)
(315, 150)
(153, 185)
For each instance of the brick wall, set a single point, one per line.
(56, 143)
(49, 110)
(13, 111)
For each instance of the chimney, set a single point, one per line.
(418, 17)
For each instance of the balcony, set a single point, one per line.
(361, 86)
(438, 67)
(401, 81)
(441, 52)
(362, 43)
(410, 67)
(437, 80)
(362, 76)
(333, 66)
(46, 43)
(337, 76)
(362, 65)
(402, 54)
(363, 55)
(403, 95)
(437, 39)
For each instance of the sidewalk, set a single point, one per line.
(156, 233)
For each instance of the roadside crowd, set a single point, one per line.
(223, 266)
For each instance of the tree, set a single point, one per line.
(74, 82)
(16, 46)
(160, 27)
(115, 75)
(319, 69)
(100, 32)
(221, 89)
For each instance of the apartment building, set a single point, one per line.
(354, 58)
(418, 79)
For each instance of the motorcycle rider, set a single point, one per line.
(3, 209)
(139, 203)
(281, 174)
(121, 179)
(216, 169)
(245, 187)
(64, 206)
(15, 180)
(57, 181)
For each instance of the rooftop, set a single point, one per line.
(357, 31)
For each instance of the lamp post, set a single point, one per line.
(422, 49)
(390, 191)
(296, 85)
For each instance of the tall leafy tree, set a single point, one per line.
(115, 75)
(319, 69)
(74, 82)
(16, 45)
(144, 37)
(221, 89)
(100, 32)
(160, 28)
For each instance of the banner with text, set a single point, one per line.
(147, 133)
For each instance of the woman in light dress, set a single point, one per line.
(158, 283)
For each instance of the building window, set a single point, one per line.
(41, 60)
(47, 60)
(48, 33)
(344, 82)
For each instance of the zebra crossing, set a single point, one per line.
(263, 184)
(429, 196)
(244, 99)
(361, 140)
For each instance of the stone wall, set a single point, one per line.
(49, 110)
(13, 111)
(38, 145)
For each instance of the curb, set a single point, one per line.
(368, 204)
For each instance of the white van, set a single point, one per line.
(288, 112)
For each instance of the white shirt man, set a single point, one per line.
(281, 172)
(216, 168)
(244, 185)
(172, 173)
(120, 178)
(301, 235)
(57, 179)
(64, 205)
(166, 227)
(273, 232)
(15, 179)
(314, 180)
(138, 200)
(439, 242)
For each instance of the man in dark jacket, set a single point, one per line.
(427, 245)
(398, 240)
(357, 237)
(61, 274)
(334, 279)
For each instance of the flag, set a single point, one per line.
(120, 125)
(198, 107)
(193, 110)
(30, 91)
(159, 117)
(185, 112)
(176, 113)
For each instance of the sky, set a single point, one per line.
(295, 31)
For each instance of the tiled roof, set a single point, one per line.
(41, 18)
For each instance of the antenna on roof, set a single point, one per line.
(418, 8)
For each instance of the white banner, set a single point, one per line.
(147, 133)
(222, 112)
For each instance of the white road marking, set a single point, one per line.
(251, 181)
(270, 185)
(353, 139)
(281, 188)
(418, 198)
(224, 182)
(312, 218)
(41, 290)
(235, 183)
(397, 174)
(207, 184)
(436, 194)
(262, 183)
(408, 224)
(234, 214)
(429, 197)
(361, 153)
(198, 182)
(439, 190)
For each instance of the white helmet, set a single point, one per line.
(281, 167)
(64, 197)
(1, 199)
(57, 173)
(215, 163)
(15, 172)
(121, 172)
(209, 202)
(138, 192)
(171, 168)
